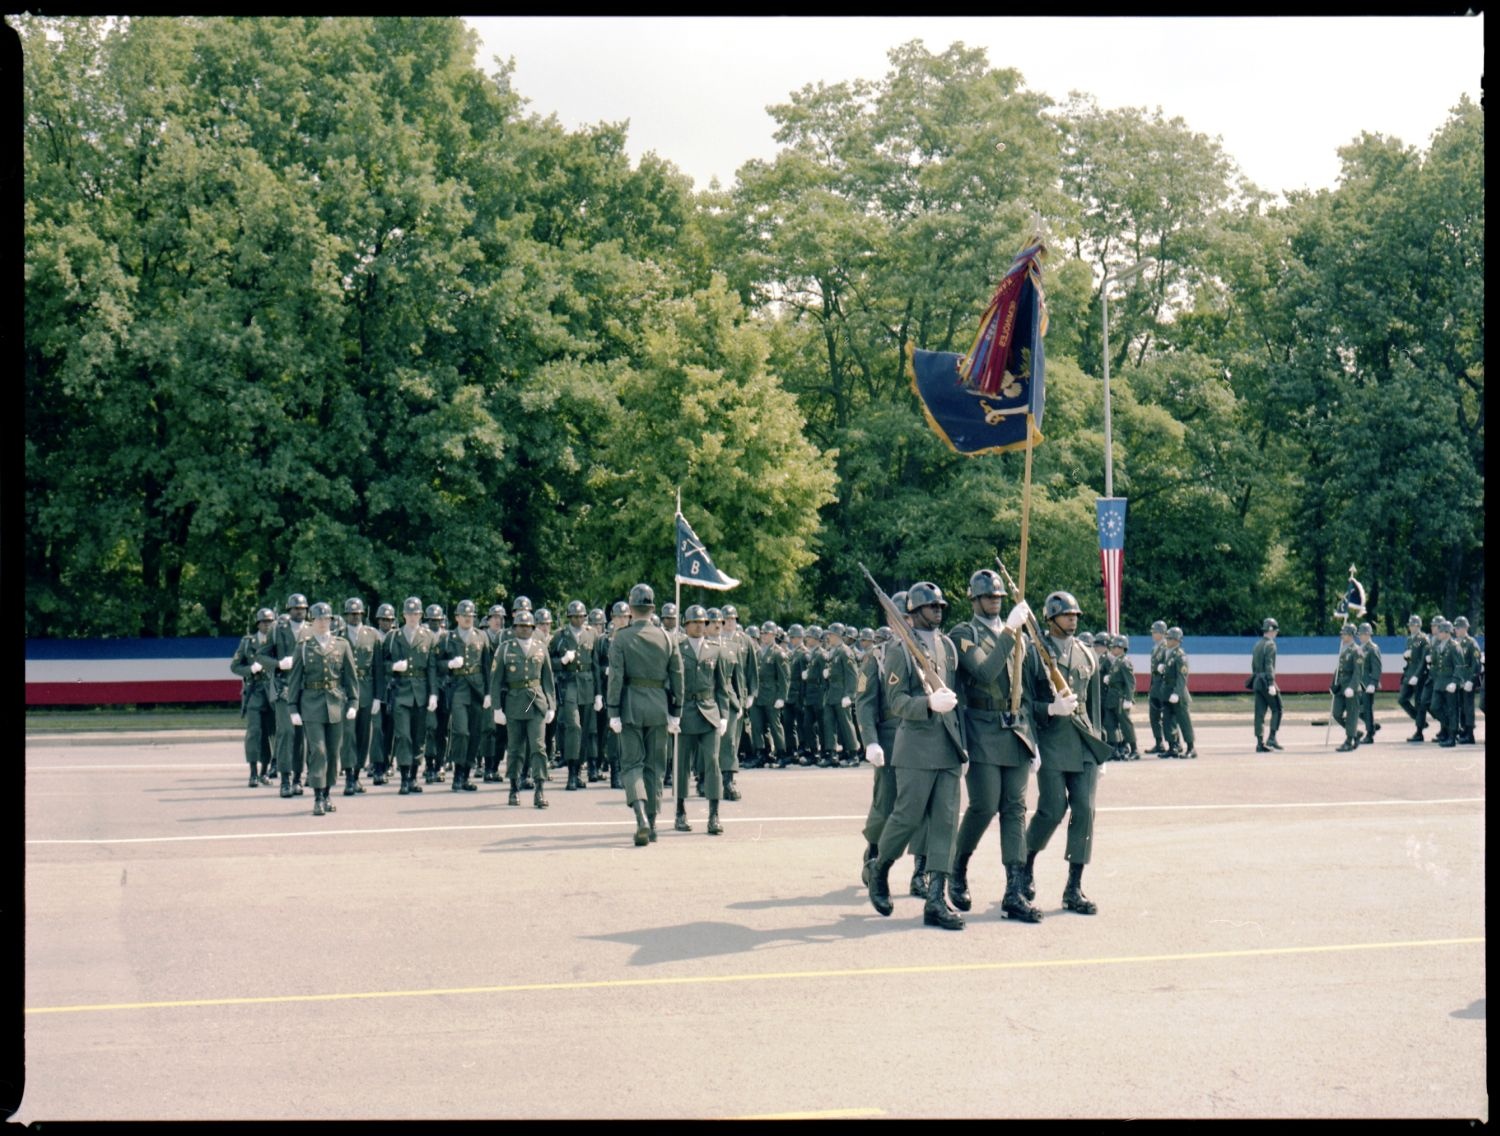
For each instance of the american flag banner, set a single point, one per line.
(1112, 555)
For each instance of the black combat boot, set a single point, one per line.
(936, 912)
(254, 780)
(580, 776)
(318, 809)
(1272, 743)
(1028, 880)
(1261, 747)
(515, 792)
(328, 806)
(348, 782)
(919, 876)
(958, 884)
(405, 781)
(714, 827)
(880, 887)
(412, 784)
(666, 781)
(1349, 744)
(642, 828)
(378, 777)
(469, 786)
(296, 784)
(539, 799)
(1014, 904)
(680, 824)
(614, 777)
(266, 772)
(869, 863)
(572, 784)
(730, 792)
(1073, 897)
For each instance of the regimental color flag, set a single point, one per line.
(1111, 511)
(1352, 606)
(991, 400)
(694, 565)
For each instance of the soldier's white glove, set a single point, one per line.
(1103, 769)
(568, 657)
(1468, 686)
(722, 728)
(296, 719)
(455, 662)
(749, 702)
(804, 676)
(875, 755)
(1036, 763)
(1369, 690)
(616, 725)
(1105, 680)
(431, 702)
(942, 700)
(1271, 691)
(547, 721)
(1412, 681)
(286, 663)
(1161, 668)
(351, 713)
(1451, 687)
(674, 725)
(825, 672)
(1128, 705)
(1406, 655)
(499, 718)
(845, 702)
(780, 702)
(375, 706)
(256, 668)
(1017, 617)
(1348, 692)
(1172, 698)
(1063, 705)
(485, 706)
(400, 665)
(598, 702)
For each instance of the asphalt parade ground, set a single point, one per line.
(1298, 934)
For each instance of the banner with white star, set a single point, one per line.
(1111, 513)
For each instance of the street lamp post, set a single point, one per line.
(1123, 276)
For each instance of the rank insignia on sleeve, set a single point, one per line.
(894, 679)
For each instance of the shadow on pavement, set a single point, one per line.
(1474, 1009)
(707, 939)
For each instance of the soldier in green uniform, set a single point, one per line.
(256, 693)
(669, 620)
(878, 722)
(772, 677)
(1468, 675)
(410, 661)
(820, 747)
(1371, 666)
(744, 687)
(595, 717)
(1109, 696)
(520, 682)
(619, 620)
(1414, 675)
(1178, 718)
(1445, 662)
(643, 698)
(840, 685)
(1002, 747)
(796, 662)
(572, 650)
(1345, 687)
(490, 744)
(323, 688)
(1071, 749)
(1156, 694)
(381, 727)
(464, 657)
(705, 695)
(1123, 682)
(929, 755)
(364, 645)
(1427, 690)
(435, 724)
(277, 656)
(1263, 683)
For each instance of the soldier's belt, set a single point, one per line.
(980, 702)
(646, 683)
(467, 671)
(320, 686)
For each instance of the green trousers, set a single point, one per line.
(923, 796)
(1057, 793)
(643, 764)
(694, 752)
(996, 790)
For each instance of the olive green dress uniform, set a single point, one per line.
(290, 741)
(743, 689)
(877, 723)
(492, 735)
(410, 690)
(1070, 751)
(364, 645)
(841, 681)
(797, 741)
(609, 741)
(1262, 678)
(1371, 668)
(468, 686)
(577, 684)
(382, 729)
(256, 705)
(645, 689)
(1445, 660)
(521, 683)
(1346, 676)
(1413, 677)
(772, 678)
(323, 684)
(705, 698)
(1156, 697)
(1177, 718)
(1468, 675)
(819, 744)
(928, 753)
(1109, 698)
(1122, 690)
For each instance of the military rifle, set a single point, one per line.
(931, 680)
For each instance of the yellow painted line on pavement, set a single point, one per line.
(821, 1114)
(781, 976)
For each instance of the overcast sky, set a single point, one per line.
(1281, 93)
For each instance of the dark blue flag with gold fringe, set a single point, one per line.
(991, 400)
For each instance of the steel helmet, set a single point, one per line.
(354, 606)
(985, 582)
(1414, 620)
(465, 607)
(524, 618)
(434, 611)
(520, 603)
(769, 627)
(642, 596)
(1060, 603)
(695, 614)
(412, 604)
(795, 631)
(620, 608)
(576, 607)
(597, 615)
(923, 593)
(669, 610)
(836, 628)
(1348, 629)
(1365, 629)
(1159, 627)
(1174, 633)
(883, 634)
(1122, 641)
(731, 612)
(265, 615)
(899, 599)
(543, 615)
(1461, 621)
(715, 615)
(385, 611)
(813, 632)
(867, 635)
(296, 599)
(320, 610)
(497, 609)
(1270, 624)
(1085, 638)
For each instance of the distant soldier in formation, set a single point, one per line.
(364, 645)
(1470, 675)
(1446, 664)
(382, 731)
(644, 699)
(773, 675)
(1156, 695)
(256, 697)
(1263, 683)
(791, 720)
(743, 687)
(491, 743)
(410, 660)
(1177, 719)
(520, 685)
(705, 697)
(464, 658)
(1346, 687)
(323, 689)
(278, 655)
(1414, 677)
(573, 665)
(435, 725)
(1371, 666)
(819, 747)
(841, 684)
(1124, 688)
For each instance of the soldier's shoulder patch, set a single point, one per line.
(894, 679)
(967, 642)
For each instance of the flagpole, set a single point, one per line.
(677, 599)
(1018, 654)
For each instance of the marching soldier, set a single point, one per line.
(1177, 718)
(491, 744)
(436, 723)
(520, 682)
(598, 720)
(1070, 749)
(411, 663)
(464, 655)
(1002, 746)
(928, 756)
(364, 645)
(256, 694)
(841, 684)
(1445, 663)
(1111, 695)
(543, 635)
(877, 723)
(572, 650)
(773, 675)
(1124, 688)
(744, 687)
(705, 695)
(277, 655)
(324, 690)
(819, 746)
(1263, 682)
(1470, 669)
(669, 620)
(644, 696)
(796, 662)
(382, 725)
(1156, 695)
(1369, 679)
(1345, 688)
(1414, 675)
